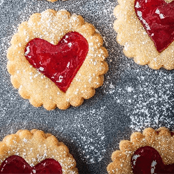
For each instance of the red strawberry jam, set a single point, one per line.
(146, 160)
(61, 62)
(157, 17)
(16, 164)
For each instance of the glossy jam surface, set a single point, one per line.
(146, 160)
(60, 62)
(157, 17)
(16, 164)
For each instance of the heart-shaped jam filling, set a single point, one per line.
(60, 62)
(146, 160)
(157, 17)
(16, 164)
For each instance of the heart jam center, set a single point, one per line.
(157, 17)
(17, 165)
(61, 62)
(146, 160)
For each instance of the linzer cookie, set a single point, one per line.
(57, 60)
(35, 152)
(149, 153)
(146, 30)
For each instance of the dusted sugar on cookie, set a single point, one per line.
(149, 153)
(35, 152)
(146, 30)
(56, 60)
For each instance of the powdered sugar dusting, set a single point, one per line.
(146, 95)
(154, 104)
(89, 133)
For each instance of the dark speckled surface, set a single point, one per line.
(133, 97)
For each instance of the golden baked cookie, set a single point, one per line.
(35, 152)
(149, 153)
(56, 60)
(146, 30)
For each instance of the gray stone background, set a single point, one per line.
(133, 97)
